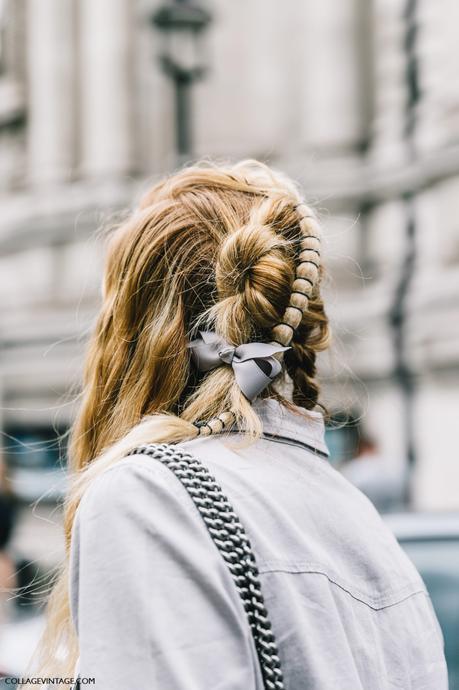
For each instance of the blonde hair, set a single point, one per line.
(232, 248)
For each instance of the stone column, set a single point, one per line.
(106, 87)
(332, 79)
(438, 54)
(51, 87)
(390, 83)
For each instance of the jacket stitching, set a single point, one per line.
(374, 602)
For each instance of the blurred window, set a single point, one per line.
(36, 459)
(342, 437)
(438, 562)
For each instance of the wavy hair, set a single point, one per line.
(231, 248)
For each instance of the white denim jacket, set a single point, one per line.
(155, 607)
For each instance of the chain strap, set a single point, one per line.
(231, 540)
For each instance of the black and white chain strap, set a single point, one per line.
(231, 540)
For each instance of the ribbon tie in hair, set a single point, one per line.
(253, 363)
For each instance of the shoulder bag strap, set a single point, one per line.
(231, 540)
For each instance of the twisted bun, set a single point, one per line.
(253, 273)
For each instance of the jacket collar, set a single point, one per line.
(304, 427)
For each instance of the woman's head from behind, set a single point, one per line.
(228, 249)
(210, 247)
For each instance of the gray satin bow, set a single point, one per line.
(253, 363)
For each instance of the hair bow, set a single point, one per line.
(253, 363)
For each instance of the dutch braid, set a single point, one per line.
(306, 277)
(305, 336)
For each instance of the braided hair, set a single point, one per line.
(251, 253)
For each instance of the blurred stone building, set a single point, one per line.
(358, 100)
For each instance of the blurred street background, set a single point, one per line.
(358, 100)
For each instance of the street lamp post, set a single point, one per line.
(182, 24)
(399, 311)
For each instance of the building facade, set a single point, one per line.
(357, 100)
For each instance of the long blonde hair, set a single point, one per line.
(233, 248)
